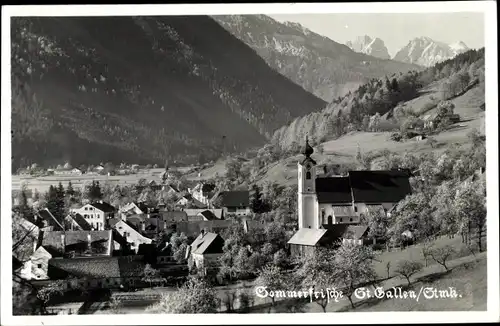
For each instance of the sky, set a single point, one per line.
(396, 30)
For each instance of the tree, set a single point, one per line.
(257, 204)
(150, 275)
(195, 296)
(374, 122)
(470, 208)
(407, 268)
(49, 291)
(273, 279)
(353, 268)
(179, 244)
(115, 305)
(317, 270)
(442, 255)
(56, 202)
(69, 190)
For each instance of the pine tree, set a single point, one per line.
(70, 191)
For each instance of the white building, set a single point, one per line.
(96, 214)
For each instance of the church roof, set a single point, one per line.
(333, 190)
(379, 186)
(307, 237)
(364, 186)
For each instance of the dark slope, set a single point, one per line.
(92, 89)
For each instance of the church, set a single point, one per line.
(330, 207)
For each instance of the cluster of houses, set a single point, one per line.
(99, 245)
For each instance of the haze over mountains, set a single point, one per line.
(320, 65)
(422, 51)
(129, 89)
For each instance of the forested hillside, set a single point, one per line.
(364, 109)
(141, 90)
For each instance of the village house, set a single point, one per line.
(193, 214)
(24, 248)
(76, 222)
(188, 200)
(133, 236)
(328, 201)
(97, 272)
(96, 214)
(37, 267)
(131, 209)
(78, 243)
(235, 203)
(205, 251)
(203, 192)
(169, 189)
(173, 216)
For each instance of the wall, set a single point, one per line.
(236, 211)
(132, 235)
(95, 217)
(301, 250)
(40, 264)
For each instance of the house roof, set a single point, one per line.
(346, 231)
(333, 190)
(207, 243)
(307, 237)
(46, 215)
(196, 211)
(235, 198)
(25, 247)
(80, 221)
(76, 240)
(103, 206)
(100, 267)
(174, 215)
(208, 215)
(379, 186)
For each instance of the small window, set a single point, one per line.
(350, 219)
(341, 220)
(86, 208)
(356, 209)
(308, 175)
(39, 265)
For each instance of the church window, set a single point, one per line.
(330, 219)
(308, 175)
(308, 189)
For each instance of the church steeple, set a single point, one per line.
(308, 150)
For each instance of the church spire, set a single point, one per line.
(308, 150)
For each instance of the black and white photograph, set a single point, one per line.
(285, 161)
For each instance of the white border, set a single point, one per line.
(487, 7)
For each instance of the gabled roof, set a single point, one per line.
(333, 190)
(307, 237)
(208, 215)
(174, 215)
(46, 215)
(103, 206)
(76, 241)
(379, 186)
(218, 212)
(80, 221)
(235, 198)
(100, 267)
(346, 231)
(207, 243)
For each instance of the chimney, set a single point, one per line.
(89, 242)
(63, 242)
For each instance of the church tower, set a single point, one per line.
(308, 209)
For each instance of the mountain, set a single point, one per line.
(374, 47)
(321, 66)
(427, 52)
(141, 90)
